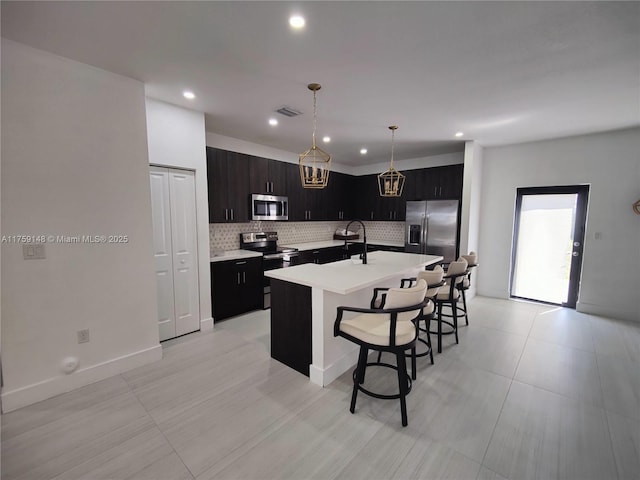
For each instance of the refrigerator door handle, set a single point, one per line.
(423, 240)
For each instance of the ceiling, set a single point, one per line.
(501, 72)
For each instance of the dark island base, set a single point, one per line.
(291, 324)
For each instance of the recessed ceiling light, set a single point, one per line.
(273, 122)
(363, 151)
(326, 139)
(296, 21)
(459, 134)
(188, 94)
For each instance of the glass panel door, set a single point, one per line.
(548, 244)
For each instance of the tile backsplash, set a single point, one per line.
(226, 236)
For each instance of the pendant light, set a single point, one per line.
(391, 182)
(315, 162)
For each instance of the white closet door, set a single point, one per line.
(163, 251)
(185, 256)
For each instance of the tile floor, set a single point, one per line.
(531, 392)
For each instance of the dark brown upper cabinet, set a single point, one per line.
(228, 186)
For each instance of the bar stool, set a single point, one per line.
(448, 296)
(389, 329)
(434, 282)
(472, 262)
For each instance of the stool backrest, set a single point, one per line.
(432, 277)
(471, 258)
(457, 267)
(405, 297)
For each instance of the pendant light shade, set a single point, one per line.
(315, 163)
(391, 182)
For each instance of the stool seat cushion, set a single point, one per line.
(443, 294)
(374, 329)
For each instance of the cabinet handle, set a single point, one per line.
(435, 191)
(226, 214)
(440, 191)
(238, 278)
(371, 215)
(390, 215)
(244, 277)
(231, 213)
(271, 187)
(241, 263)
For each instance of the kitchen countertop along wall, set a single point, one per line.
(226, 236)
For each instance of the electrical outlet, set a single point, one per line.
(83, 336)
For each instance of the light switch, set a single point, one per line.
(33, 251)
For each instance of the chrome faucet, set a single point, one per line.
(364, 237)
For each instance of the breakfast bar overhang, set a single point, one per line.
(304, 299)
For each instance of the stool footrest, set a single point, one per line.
(394, 396)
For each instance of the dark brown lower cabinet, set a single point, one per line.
(236, 287)
(291, 325)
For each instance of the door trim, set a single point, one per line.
(582, 191)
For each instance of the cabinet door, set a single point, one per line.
(217, 185)
(258, 175)
(251, 289)
(238, 186)
(236, 287)
(367, 198)
(224, 290)
(297, 207)
(339, 205)
(451, 182)
(278, 177)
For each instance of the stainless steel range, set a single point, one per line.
(273, 256)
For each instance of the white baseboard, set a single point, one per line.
(21, 397)
(206, 323)
(325, 377)
(607, 312)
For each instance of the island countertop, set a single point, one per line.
(348, 276)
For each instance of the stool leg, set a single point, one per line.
(454, 309)
(427, 322)
(402, 384)
(360, 368)
(466, 312)
(413, 363)
(439, 327)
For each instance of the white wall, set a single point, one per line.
(610, 163)
(471, 205)
(74, 162)
(177, 139)
(235, 145)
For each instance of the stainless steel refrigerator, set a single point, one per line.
(432, 228)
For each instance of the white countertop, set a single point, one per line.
(346, 277)
(234, 255)
(338, 243)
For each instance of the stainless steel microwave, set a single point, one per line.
(269, 207)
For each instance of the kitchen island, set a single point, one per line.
(304, 300)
